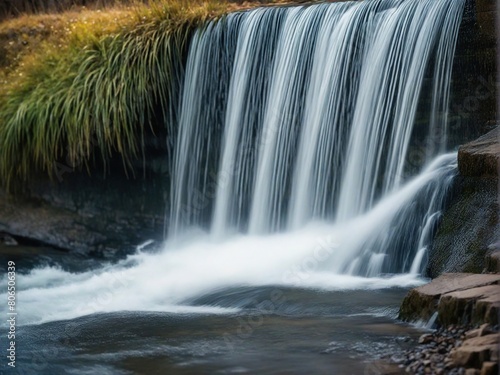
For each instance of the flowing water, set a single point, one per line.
(298, 218)
(314, 120)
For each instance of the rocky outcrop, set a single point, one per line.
(493, 262)
(481, 158)
(469, 231)
(477, 352)
(467, 341)
(456, 298)
(474, 92)
(90, 215)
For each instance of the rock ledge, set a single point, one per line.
(481, 157)
(457, 298)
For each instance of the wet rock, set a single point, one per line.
(485, 329)
(469, 356)
(88, 219)
(469, 231)
(444, 352)
(474, 352)
(475, 305)
(426, 359)
(493, 261)
(489, 368)
(424, 339)
(467, 307)
(481, 157)
(7, 240)
(458, 298)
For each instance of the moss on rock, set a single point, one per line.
(470, 226)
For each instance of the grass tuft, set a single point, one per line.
(95, 95)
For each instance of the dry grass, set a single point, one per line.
(28, 37)
(14, 8)
(27, 34)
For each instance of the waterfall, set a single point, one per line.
(293, 115)
(391, 79)
(293, 156)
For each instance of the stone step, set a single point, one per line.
(458, 298)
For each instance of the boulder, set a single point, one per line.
(7, 240)
(489, 368)
(485, 329)
(493, 261)
(480, 158)
(473, 353)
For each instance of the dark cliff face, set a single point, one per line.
(474, 87)
(470, 226)
(89, 215)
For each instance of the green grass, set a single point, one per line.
(94, 96)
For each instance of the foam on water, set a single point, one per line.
(292, 260)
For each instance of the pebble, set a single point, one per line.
(432, 354)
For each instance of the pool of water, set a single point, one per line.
(275, 331)
(236, 328)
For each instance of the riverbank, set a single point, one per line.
(453, 350)
(461, 307)
(465, 308)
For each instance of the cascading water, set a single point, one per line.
(318, 119)
(292, 152)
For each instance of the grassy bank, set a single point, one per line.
(82, 85)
